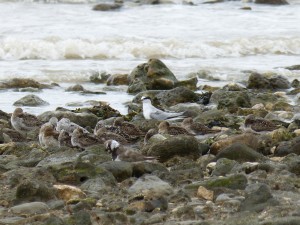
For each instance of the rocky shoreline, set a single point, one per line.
(231, 177)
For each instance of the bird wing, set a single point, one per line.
(263, 125)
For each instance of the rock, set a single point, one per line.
(272, 2)
(223, 167)
(141, 168)
(189, 83)
(30, 208)
(154, 74)
(258, 197)
(23, 83)
(286, 147)
(68, 192)
(293, 163)
(82, 119)
(54, 220)
(99, 78)
(240, 153)
(235, 182)
(95, 187)
(204, 193)
(176, 146)
(76, 88)
(288, 220)
(117, 79)
(121, 170)
(231, 100)
(259, 81)
(169, 97)
(248, 139)
(79, 218)
(136, 86)
(106, 7)
(30, 100)
(150, 186)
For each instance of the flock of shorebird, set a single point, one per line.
(118, 136)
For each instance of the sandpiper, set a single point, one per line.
(100, 124)
(24, 122)
(68, 126)
(165, 128)
(84, 140)
(105, 135)
(255, 124)
(64, 139)
(50, 137)
(149, 134)
(151, 112)
(127, 130)
(121, 153)
(52, 123)
(196, 128)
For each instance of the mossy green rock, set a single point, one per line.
(181, 145)
(223, 167)
(240, 153)
(235, 182)
(154, 74)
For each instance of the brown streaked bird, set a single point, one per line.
(51, 123)
(257, 124)
(24, 122)
(165, 128)
(149, 134)
(105, 135)
(83, 140)
(50, 137)
(127, 130)
(64, 139)
(196, 128)
(100, 124)
(121, 153)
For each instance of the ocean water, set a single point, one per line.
(65, 41)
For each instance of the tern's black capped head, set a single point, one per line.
(145, 98)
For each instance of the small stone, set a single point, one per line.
(204, 193)
(30, 208)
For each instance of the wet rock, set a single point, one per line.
(117, 79)
(223, 167)
(106, 7)
(176, 146)
(272, 2)
(293, 163)
(240, 153)
(136, 86)
(236, 181)
(248, 139)
(141, 168)
(169, 97)
(189, 83)
(30, 208)
(286, 147)
(76, 88)
(154, 74)
(30, 100)
(231, 100)
(121, 170)
(259, 81)
(22, 83)
(99, 78)
(258, 197)
(150, 186)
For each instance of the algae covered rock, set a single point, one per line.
(259, 81)
(22, 83)
(30, 100)
(272, 2)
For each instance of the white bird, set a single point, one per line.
(151, 112)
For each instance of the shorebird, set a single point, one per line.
(24, 122)
(51, 123)
(68, 126)
(50, 137)
(64, 139)
(165, 128)
(151, 112)
(105, 135)
(83, 140)
(121, 153)
(149, 134)
(196, 128)
(255, 124)
(102, 124)
(127, 130)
